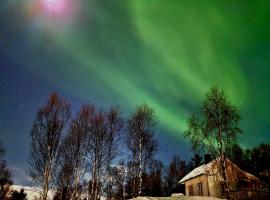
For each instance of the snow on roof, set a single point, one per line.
(195, 172)
(205, 167)
(200, 170)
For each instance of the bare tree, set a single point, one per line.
(132, 182)
(104, 136)
(74, 149)
(175, 171)
(46, 135)
(141, 143)
(216, 130)
(155, 179)
(114, 128)
(115, 124)
(114, 185)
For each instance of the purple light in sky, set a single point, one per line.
(55, 11)
(55, 6)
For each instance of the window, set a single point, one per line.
(200, 189)
(190, 189)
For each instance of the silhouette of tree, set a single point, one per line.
(255, 161)
(5, 175)
(113, 176)
(141, 143)
(132, 185)
(155, 179)
(104, 135)
(176, 170)
(19, 195)
(217, 128)
(72, 165)
(241, 158)
(260, 158)
(46, 135)
(196, 160)
(114, 185)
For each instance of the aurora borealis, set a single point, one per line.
(163, 53)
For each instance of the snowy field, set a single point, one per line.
(177, 198)
(33, 193)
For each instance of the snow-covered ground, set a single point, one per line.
(33, 193)
(177, 198)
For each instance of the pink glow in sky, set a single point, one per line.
(57, 7)
(54, 11)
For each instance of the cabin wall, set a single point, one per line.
(242, 185)
(196, 183)
(215, 186)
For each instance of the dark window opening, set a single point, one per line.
(190, 188)
(200, 189)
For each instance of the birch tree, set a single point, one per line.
(104, 138)
(74, 150)
(114, 133)
(216, 130)
(46, 134)
(141, 143)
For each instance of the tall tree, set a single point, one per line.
(238, 157)
(115, 124)
(155, 179)
(113, 140)
(260, 158)
(176, 170)
(73, 154)
(217, 128)
(141, 143)
(196, 160)
(5, 175)
(104, 137)
(132, 182)
(114, 186)
(46, 135)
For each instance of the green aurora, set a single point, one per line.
(164, 53)
(167, 54)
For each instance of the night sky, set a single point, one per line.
(166, 53)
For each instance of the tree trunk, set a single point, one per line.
(75, 192)
(224, 176)
(45, 191)
(62, 191)
(46, 182)
(223, 165)
(140, 173)
(93, 181)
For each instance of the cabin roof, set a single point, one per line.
(201, 170)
